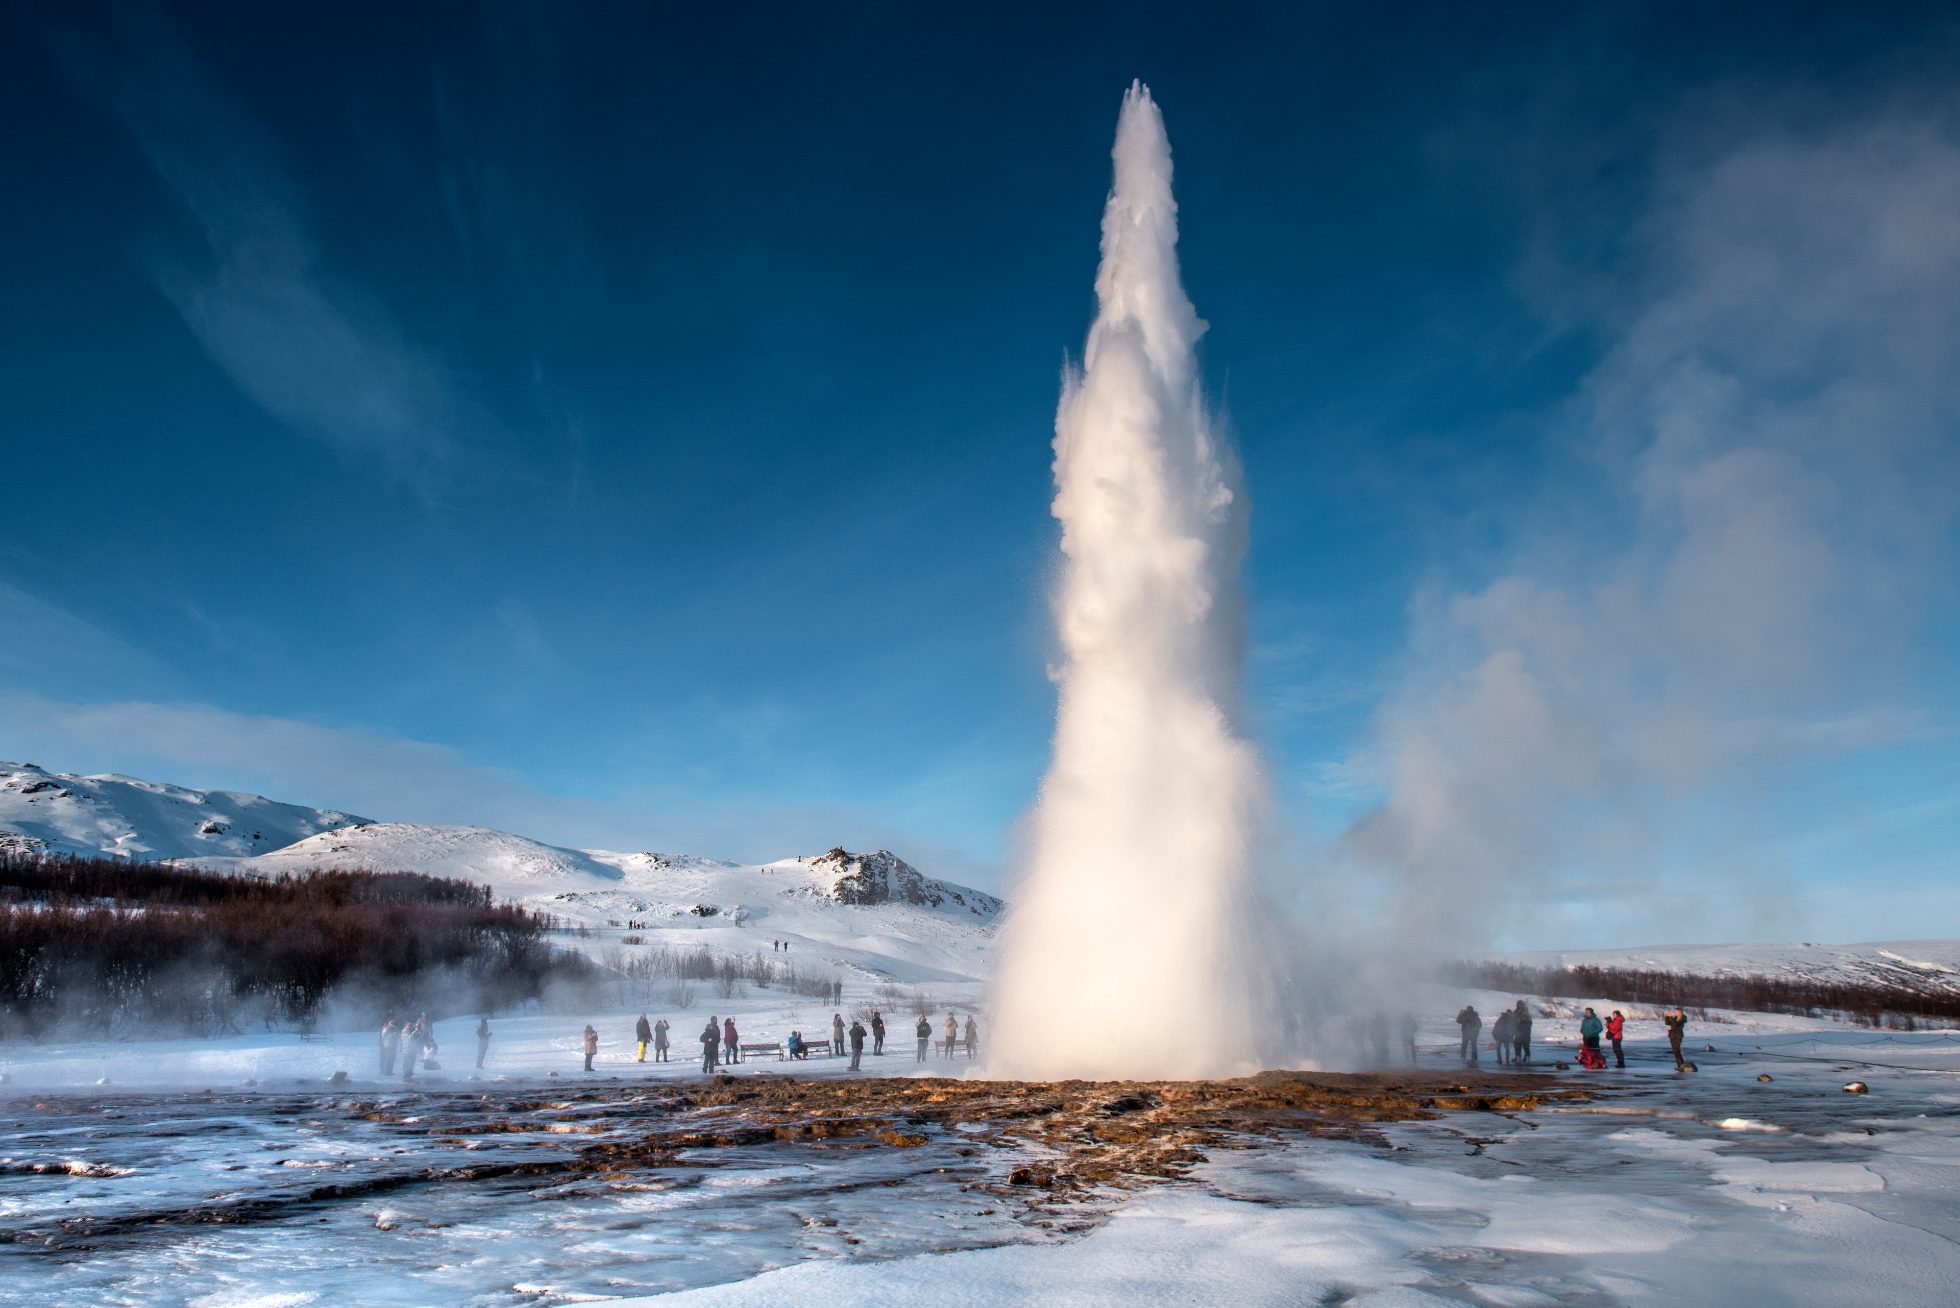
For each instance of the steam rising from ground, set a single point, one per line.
(1130, 950)
(1772, 419)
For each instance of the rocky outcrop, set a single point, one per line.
(883, 877)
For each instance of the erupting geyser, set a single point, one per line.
(1131, 947)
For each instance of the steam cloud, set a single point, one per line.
(1772, 422)
(1134, 911)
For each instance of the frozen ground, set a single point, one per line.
(1713, 1188)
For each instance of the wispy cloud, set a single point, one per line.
(314, 349)
(47, 645)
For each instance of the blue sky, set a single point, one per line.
(630, 427)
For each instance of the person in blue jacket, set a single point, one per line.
(1589, 1032)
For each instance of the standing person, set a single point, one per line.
(925, 1035)
(1677, 1027)
(1521, 1032)
(591, 1045)
(428, 1030)
(1472, 1025)
(1408, 1023)
(643, 1033)
(836, 1034)
(482, 1040)
(952, 1034)
(411, 1048)
(731, 1049)
(660, 1030)
(710, 1042)
(972, 1037)
(857, 1044)
(391, 1043)
(1616, 1026)
(877, 1032)
(1589, 1031)
(837, 992)
(1500, 1031)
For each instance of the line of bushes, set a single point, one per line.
(1872, 1003)
(107, 947)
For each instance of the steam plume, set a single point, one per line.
(1774, 414)
(1132, 921)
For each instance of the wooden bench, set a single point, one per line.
(763, 1047)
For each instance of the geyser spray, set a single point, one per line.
(1133, 948)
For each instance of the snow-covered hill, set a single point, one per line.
(870, 913)
(1931, 966)
(60, 813)
(512, 866)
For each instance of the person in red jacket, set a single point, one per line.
(1616, 1026)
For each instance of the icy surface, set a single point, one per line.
(1666, 1189)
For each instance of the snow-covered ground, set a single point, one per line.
(1713, 1188)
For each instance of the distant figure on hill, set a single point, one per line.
(857, 1044)
(1472, 1025)
(877, 1032)
(1521, 1032)
(1590, 1028)
(482, 1040)
(836, 992)
(952, 1034)
(1408, 1025)
(731, 1048)
(591, 1045)
(1677, 1027)
(643, 1036)
(660, 1030)
(1500, 1032)
(972, 1037)
(710, 1044)
(391, 1044)
(1616, 1026)
(836, 1034)
(925, 1035)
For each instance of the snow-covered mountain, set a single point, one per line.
(1929, 966)
(61, 813)
(873, 913)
